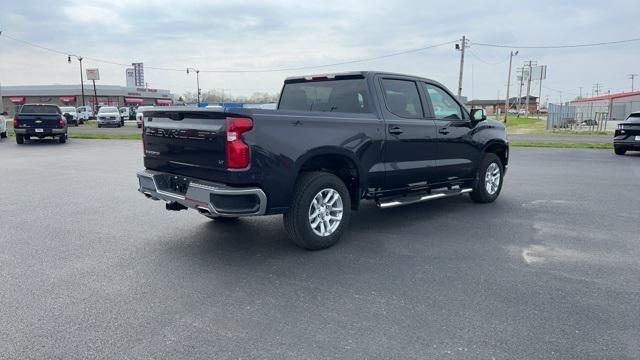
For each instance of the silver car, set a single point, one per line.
(109, 116)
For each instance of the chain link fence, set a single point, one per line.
(600, 115)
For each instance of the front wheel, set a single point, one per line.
(319, 212)
(488, 182)
(619, 150)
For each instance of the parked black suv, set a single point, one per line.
(627, 135)
(334, 141)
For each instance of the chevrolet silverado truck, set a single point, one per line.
(39, 120)
(333, 142)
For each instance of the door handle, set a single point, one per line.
(396, 130)
(443, 131)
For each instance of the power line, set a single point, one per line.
(556, 46)
(486, 62)
(239, 70)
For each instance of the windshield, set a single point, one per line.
(40, 109)
(68, 109)
(633, 118)
(107, 109)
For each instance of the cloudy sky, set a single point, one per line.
(245, 35)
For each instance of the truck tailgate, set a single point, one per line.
(39, 121)
(191, 139)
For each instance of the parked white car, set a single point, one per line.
(140, 114)
(84, 113)
(109, 116)
(3, 125)
(72, 113)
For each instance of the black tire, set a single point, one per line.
(77, 123)
(296, 219)
(480, 194)
(19, 139)
(619, 150)
(3, 135)
(99, 125)
(62, 138)
(139, 126)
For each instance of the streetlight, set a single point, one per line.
(197, 81)
(506, 102)
(81, 76)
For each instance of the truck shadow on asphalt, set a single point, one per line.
(370, 227)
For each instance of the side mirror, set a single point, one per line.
(478, 114)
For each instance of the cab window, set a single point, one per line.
(402, 98)
(444, 106)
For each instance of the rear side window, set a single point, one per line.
(402, 98)
(348, 95)
(39, 109)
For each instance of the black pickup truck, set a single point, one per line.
(333, 141)
(39, 120)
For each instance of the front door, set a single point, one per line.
(410, 145)
(456, 151)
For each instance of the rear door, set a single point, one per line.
(410, 145)
(456, 152)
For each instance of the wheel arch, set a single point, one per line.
(339, 162)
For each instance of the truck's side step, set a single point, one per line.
(390, 202)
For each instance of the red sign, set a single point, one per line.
(164, 101)
(16, 99)
(66, 99)
(133, 100)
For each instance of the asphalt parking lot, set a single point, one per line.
(89, 268)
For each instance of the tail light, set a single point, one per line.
(237, 150)
(15, 121)
(61, 121)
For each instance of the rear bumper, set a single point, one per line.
(45, 132)
(208, 198)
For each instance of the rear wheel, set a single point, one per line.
(488, 182)
(619, 150)
(319, 212)
(3, 135)
(19, 139)
(99, 125)
(62, 138)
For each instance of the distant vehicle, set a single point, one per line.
(39, 120)
(513, 111)
(140, 114)
(589, 122)
(109, 116)
(84, 113)
(71, 114)
(334, 141)
(627, 135)
(3, 125)
(127, 113)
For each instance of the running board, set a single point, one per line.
(406, 200)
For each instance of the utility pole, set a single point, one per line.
(521, 77)
(197, 82)
(632, 77)
(506, 102)
(81, 76)
(461, 47)
(580, 87)
(596, 88)
(526, 101)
